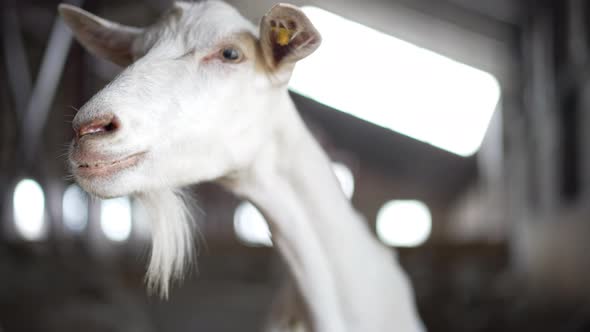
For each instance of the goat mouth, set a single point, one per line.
(107, 167)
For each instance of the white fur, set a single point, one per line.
(172, 241)
(201, 120)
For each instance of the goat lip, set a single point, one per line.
(103, 168)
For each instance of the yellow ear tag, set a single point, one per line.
(283, 36)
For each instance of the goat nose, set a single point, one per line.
(105, 124)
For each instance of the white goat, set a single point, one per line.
(204, 98)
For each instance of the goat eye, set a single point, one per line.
(231, 54)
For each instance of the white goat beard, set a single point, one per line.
(173, 248)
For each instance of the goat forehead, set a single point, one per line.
(200, 25)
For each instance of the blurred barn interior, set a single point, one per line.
(505, 248)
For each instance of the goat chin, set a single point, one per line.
(173, 245)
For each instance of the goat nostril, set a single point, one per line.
(107, 124)
(110, 127)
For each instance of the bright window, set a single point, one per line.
(345, 178)
(29, 209)
(75, 208)
(250, 226)
(404, 223)
(115, 218)
(397, 85)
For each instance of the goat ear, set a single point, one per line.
(100, 37)
(286, 36)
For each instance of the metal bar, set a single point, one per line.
(15, 57)
(47, 82)
(577, 35)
